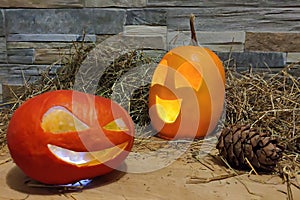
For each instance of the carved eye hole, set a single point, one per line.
(60, 120)
(116, 125)
(161, 71)
(187, 75)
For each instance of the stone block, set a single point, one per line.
(145, 30)
(136, 42)
(2, 44)
(41, 4)
(136, 37)
(19, 74)
(253, 59)
(45, 45)
(10, 71)
(174, 3)
(156, 55)
(115, 3)
(205, 37)
(227, 3)
(221, 37)
(2, 26)
(3, 74)
(293, 57)
(30, 70)
(22, 56)
(216, 47)
(18, 79)
(50, 38)
(236, 18)
(216, 41)
(49, 56)
(148, 16)
(108, 21)
(225, 47)
(65, 21)
(151, 37)
(26, 72)
(3, 58)
(50, 21)
(3, 50)
(39, 45)
(267, 41)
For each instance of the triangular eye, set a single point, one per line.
(116, 125)
(60, 120)
(161, 71)
(188, 74)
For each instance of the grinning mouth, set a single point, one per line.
(168, 110)
(87, 158)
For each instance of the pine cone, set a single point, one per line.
(236, 143)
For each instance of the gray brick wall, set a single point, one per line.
(33, 33)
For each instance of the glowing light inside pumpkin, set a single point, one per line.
(168, 110)
(116, 125)
(59, 120)
(87, 158)
(191, 76)
(80, 184)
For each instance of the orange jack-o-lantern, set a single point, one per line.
(187, 92)
(64, 136)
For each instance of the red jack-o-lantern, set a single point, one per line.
(64, 136)
(187, 92)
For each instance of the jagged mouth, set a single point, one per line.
(87, 158)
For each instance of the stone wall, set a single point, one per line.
(35, 33)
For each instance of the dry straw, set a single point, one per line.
(269, 102)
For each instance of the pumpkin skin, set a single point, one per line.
(187, 93)
(44, 142)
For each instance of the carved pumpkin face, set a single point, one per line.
(187, 93)
(64, 136)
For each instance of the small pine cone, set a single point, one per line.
(236, 143)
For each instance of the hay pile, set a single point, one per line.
(270, 102)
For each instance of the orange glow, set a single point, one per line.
(197, 76)
(191, 75)
(59, 120)
(116, 125)
(168, 110)
(82, 159)
(63, 136)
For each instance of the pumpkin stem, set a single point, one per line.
(194, 40)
